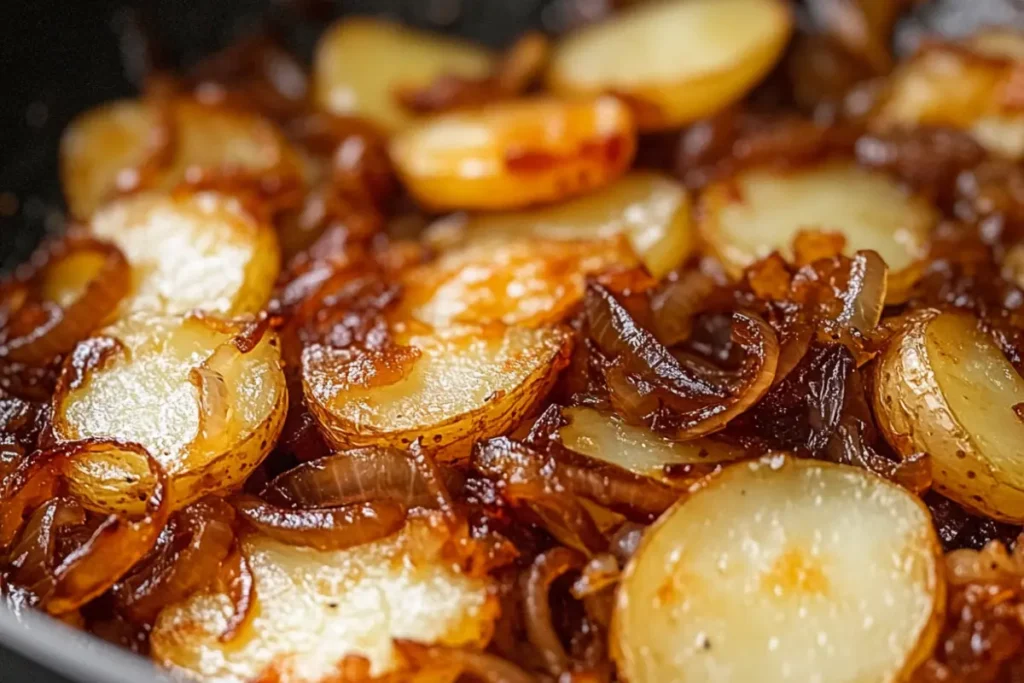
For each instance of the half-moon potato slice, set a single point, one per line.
(649, 208)
(459, 385)
(135, 144)
(763, 209)
(195, 392)
(598, 435)
(513, 154)
(188, 251)
(674, 61)
(943, 387)
(520, 281)
(360, 64)
(783, 570)
(315, 608)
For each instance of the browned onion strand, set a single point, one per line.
(241, 589)
(31, 563)
(600, 572)
(115, 546)
(323, 528)
(188, 557)
(56, 330)
(482, 666)
(540, 629)
(361, 475)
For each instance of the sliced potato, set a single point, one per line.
(973, 87)
(638, 449)
(127, 145)
(360, 63)
(133, 384)
(514, 154)
(783, 570)
(761, 210)
(466, 384)
(649, 208)
(199, 251)
(314, 608)
(675, 61)
(943, 387)
(526, 282)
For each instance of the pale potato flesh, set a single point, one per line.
(142, 394)
(109, 150)
(467, 384)
(782, 570)
(762, 210)
(650, 209)
(637, 449)
(951, 88)
(676, 61)
(515, 154)
(360, 63)
(525, 282)
(191, 252)
(314, 608)
(944, 388)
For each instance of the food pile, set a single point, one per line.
(685, 346)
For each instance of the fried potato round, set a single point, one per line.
(783, 570)
(459, 385)
(191, 251)
(513, 154)
(315, 608)
(360, 64)
(943, 387)
(134, 144)
(677, 61)
(649, 208)
(137, 382)
(761, 210)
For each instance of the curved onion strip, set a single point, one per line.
(696, 405)
(674, 306)
(638, 497)
(63, 327)
(865, 296)
(486, 668)
(600, 572)
(215, 412)
(529, 478)
(431, 475)
(537, 608)
(30, 564)
(323, 528)
(114, 548)
(359, 475)
(188, 557)
(32, 483)
(241, 589)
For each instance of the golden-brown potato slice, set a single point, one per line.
(649, 208)
(187, 251)
(314, 608)
(514, 154)
(675, 61)
(360, 63)
(127, 145)
(466, 384)
(136, 383)
(525, 282)
(783, 570)
(943, 387)
(761, 210)
(638, 449)
(973, 87)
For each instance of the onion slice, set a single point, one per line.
(323, 528)
(540, 629)
(484, 667)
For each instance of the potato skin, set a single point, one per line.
(914, 416)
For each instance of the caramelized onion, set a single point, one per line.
(241, 589)
(362, 475)
(484, 667)
(114, 548)
(540, 630)
(31, 562)
(691, 403)
(188, 555)
(600, 572)
(323, 528)
(39, 330)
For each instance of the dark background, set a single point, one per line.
(60, 57)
